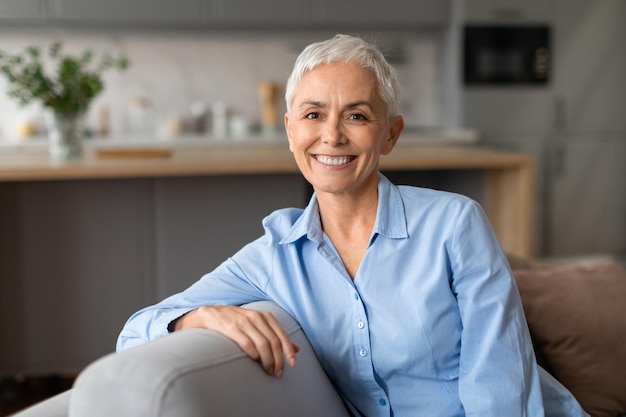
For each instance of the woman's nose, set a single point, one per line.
(332, 133)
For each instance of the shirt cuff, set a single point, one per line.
(172, 323)
(161, 325)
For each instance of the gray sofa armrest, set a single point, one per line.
(201, 373)
(57, 406)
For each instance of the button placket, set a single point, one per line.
(361, 338)
(362, 351)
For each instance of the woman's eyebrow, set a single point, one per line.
(358, 104)
(347, 106)
(314, 103)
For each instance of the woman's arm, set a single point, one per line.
(211, 303)
(226, 285)
(498, 372)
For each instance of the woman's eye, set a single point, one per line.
(312, 115)
(357, 116)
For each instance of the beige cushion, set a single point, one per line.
(576, 313)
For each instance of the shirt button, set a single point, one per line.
(360, 325)
(356, 296)
(382, 401)
(363, 352)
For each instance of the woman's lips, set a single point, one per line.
(334, 160)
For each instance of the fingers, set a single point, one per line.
(283, 346)
(258, 334)
(270, 343)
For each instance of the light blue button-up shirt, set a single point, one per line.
(432, 324)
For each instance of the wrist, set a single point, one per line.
(179, 322)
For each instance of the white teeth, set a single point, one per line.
(333, 160)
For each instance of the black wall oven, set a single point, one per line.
(506, 55)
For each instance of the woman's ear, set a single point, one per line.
(395, 128)
(286, 121)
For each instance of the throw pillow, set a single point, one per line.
(577, 319)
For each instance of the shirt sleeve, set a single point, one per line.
(239, 280)
(498, 373)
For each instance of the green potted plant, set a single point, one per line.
(67, 90)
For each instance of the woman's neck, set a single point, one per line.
(344, 213)
(348, 222)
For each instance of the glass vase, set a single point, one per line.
(66, 133)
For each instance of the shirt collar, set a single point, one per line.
(390, 216)
(308, 224)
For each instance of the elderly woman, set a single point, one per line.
(403, 292)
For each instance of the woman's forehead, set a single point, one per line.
(336, 76)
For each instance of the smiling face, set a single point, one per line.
(338, 127)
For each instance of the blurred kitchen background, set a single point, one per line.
(547, 77)
(195, 60)
(178, 76)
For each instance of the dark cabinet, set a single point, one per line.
(235, 14)
(20, 10)
(267, 12)
(389, 13)
(130, 11)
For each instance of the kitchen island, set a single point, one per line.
(84, 244)
(508, 187)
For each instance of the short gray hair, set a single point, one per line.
(347, 48)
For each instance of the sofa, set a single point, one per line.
(195, 373)
(575, 311)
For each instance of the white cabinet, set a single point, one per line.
(22, 10)
(130, 11)
(389, 13)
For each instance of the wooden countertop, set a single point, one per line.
(34, 164)
(509, 179)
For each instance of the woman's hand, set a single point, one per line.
(257, 333)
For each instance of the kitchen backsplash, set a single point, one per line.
(176, 74)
